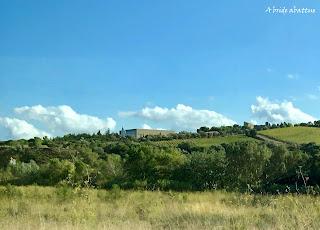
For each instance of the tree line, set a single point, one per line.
(103, 161)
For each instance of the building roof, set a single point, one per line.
(160, 130)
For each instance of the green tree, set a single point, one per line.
(205, 170)
(109, 170)
(56, 171)
(246, 162)
(276, 168)
(152, 163)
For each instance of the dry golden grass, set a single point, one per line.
(35, 207)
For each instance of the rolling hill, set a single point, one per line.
(205, 142)
(298, 135)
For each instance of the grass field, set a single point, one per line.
(64, 208)
(205, 142)
(298, 135)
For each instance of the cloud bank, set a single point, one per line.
(181, 117)
(39, 121)
(146, 126)
(266, 110)
(53, 120)
(19, 129)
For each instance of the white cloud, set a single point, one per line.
(53, 120)
(292, 76)
(146, 126)
(20, 129)
(254, 122)
(274, 112)
(181, 117)
(63, 119)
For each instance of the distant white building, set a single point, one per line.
(248, 125)
(137, 133)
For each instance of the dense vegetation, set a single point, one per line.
(298, 135)
(103, 161)
(223, 130)
(34, 207)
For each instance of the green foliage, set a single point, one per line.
(109, 171)
(35, 142)
(57, 171)
(186, 147)
(118, 148)
(152, 163)
(313, 151)
(184, 162)
(224, 130)
(251, 133)
(22, 173)
(206, 170)
(82, 173)
(246, 162)
(276, 168)
(21, 169)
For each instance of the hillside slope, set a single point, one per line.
(298, 135)
(206, 142)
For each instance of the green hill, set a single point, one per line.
(298, 135)
(205, 142)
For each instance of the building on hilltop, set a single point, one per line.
(248, 125)
(122, 132)
(137, 133)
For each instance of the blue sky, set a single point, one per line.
(105, 57)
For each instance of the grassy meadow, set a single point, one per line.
(33, 207)
(206, 142)
(298, 135)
